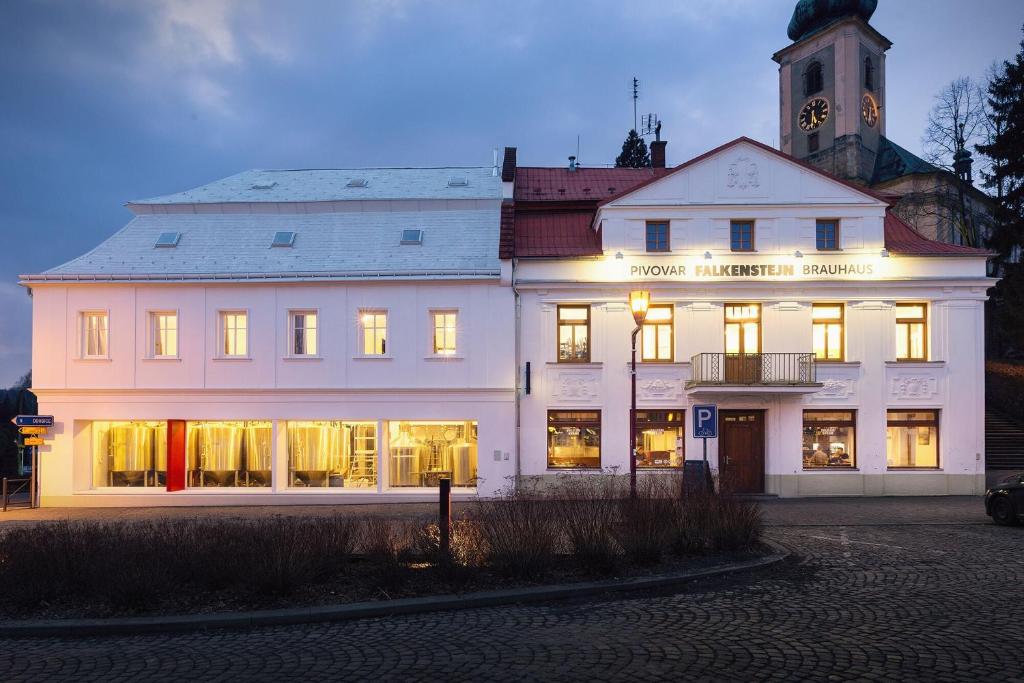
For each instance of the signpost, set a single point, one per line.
(697, 473)
(33, 428)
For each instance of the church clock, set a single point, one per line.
(869, 110)
(813, 115)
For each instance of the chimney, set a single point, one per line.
(508, 165)
(572, 164)
(658, 148)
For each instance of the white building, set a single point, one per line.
(844, 350)
(286, 337)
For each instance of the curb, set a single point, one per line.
(363, 610)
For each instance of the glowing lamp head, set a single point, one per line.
(639, 302)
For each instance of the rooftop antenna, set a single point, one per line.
(577, 148)
(650, 125)
(636, 94)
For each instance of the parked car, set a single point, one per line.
(1004, 502)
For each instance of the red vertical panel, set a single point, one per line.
(175, 455)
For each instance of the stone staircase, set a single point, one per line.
(1004, 442)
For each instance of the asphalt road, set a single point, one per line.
(878, 589)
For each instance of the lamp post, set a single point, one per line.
(639, 302)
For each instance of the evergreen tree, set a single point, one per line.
(634, 152)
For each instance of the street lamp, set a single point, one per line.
(639, 302)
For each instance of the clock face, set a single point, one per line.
(869, 110)
(814, 114)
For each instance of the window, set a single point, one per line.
(411, 237)
(375, 332)
(234, 333)
(357, 182)
(423, 453)
(656, 341)
(95, 335)
(574, 439)
(229, 454)
(659, 438)
(813, 80)
(332, 454)
(458, 181)
(911, 332)
(827, 331)
(302, 328)
(827, 235)
(444, 332)
(168, 240)
(813, 143)
(829, 438)
(741, 235)
(284, 238)
(129, 453)
(912, 438)
(742, 328)
(164, 333)
(657, 236)
(869, 73)
(574, 334)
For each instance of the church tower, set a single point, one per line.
(832, 87)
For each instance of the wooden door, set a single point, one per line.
(741, 450)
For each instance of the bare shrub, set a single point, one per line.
(520, 531)
(646, 520)
(588, 512)
(736, 524)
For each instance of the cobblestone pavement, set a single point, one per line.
(868, 600)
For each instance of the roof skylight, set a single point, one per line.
(458, 181)
(168, 240)
(285, 238)
(358, 182)
(265, 186)
(412, 237)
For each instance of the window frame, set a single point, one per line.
(869, 73)
(671, 324)
(851, 423)
(909, 322)
(741, 321)
(434, 313)
(558, 333)
(83, 334)
(582, 424)
(736, 223)
(842, 331)
(835, 223)
(647, 236)
(222, 335)
(153, 333)
(680, 425)
(361, 333)
(936, 423)
(290, 332)
(819, 85)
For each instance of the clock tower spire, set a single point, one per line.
(832, 87)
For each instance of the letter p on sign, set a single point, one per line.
(705, 421)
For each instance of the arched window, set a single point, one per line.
(869, 73)
(813, 81)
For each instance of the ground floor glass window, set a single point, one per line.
(829, 438)
(421, 453)
(329, 453)
(129, 453)
(912, 438)
(574, 439)
(659, 438)
(229, 453)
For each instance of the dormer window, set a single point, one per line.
(813, 79)
(357, 182)
(168, 240)
(412, 237)
(458, 181)
(284, 238)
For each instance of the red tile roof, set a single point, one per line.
(506, 239)
(900, 238)
(554, 234)
(535, 184)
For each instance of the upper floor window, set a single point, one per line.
(827, 332)
(444, 332)
(814, 81)
(95, 334)
(375, 332)
(827, 235)
(656, 343)
(912, 331)
(869, 73)
(304, 336)
(163, 327)
(741, 235)
(742, 328)
(234, 333)
(657, 236)
(574, 334)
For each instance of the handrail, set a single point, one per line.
(754, 369)
(20, 486)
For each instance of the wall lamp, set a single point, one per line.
(798, 254)
(707, 255)
(885, 253)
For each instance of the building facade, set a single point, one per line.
(282, 337)
(843, 349)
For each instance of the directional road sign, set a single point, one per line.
(33, 420)
(34, 441)
(33, 431)
(705, 421)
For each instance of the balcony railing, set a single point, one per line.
(754, 369)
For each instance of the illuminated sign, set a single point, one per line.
(703, 271)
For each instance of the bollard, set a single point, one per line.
(444, 518)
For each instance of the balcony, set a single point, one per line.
(764, 372)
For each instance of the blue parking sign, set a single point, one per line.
(705, 421)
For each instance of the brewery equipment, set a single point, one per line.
(129, 453)
(405, 461)
(258, 453)
(215, 452)
(314, 452)
(463, 460)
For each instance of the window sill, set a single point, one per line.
(373, 357)
(913, 469)
(576, 364)
(916, 363)
(664, 468)
(442, 359)
(162, 359)
(838, 363)
(94, 359)
(579, 468)
(231, 359)
(660, 363)
(302, 358)
(831, 468)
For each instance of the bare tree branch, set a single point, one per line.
(958, 120)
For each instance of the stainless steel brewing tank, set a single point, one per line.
(130, 447)
(258, 438)
(160, 447)
(405, 461)
(463, 460)
(314, 448)
(219, 447)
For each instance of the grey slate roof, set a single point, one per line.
(318, 185)
(461, 242)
